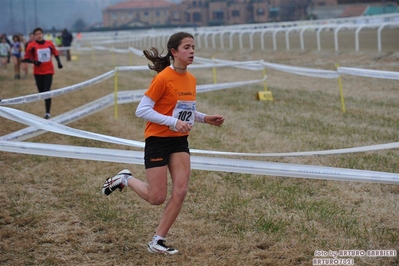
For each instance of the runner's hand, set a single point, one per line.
(182, 127)
(215, 120)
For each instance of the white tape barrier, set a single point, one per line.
(214, 65)
(120, 51)
(228, 85)
(107, 101)
(64, 48)
(101, 48)
(205, 163)
(51, 94)
(74, 152)
(317, 73)
(369, 73)
(131, 68)
(378, 147)
(37, 123)
(114, 41)
(58, 92)
(78, 113)
(26, 133)
(85, 49)
(257, 65)
(195, 66)
(310, 72)
(250, 65)
(48, 125)
(62, 91)
(134, 96)
(136, 51)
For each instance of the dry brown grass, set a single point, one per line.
(54, 213)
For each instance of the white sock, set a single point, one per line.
(156, 238)
(125, 179)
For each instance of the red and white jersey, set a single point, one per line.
(41, 52)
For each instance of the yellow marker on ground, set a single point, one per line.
(265, 95)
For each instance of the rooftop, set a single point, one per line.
(354, 11)
(140, 4)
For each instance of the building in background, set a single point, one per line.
(148, 13)
(190, 12)
(325, 9)
(137, 13)
(161, 13)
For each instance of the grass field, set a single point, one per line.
(54, 213)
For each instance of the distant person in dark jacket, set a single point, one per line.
(66, 42)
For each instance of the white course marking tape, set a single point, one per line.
(205, 163)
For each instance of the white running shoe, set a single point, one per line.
(115, 182)
(160, 247)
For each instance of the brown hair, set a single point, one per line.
(161, 62)
(37, 29)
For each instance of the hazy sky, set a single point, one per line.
(22, 16)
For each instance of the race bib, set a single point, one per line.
(184, 111)
(44, 55)
(15, 48)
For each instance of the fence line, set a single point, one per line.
(207, 63)
(206, 37)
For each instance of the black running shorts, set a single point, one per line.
(158, 149)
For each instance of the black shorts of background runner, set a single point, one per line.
(43, 84)
(158, 150)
